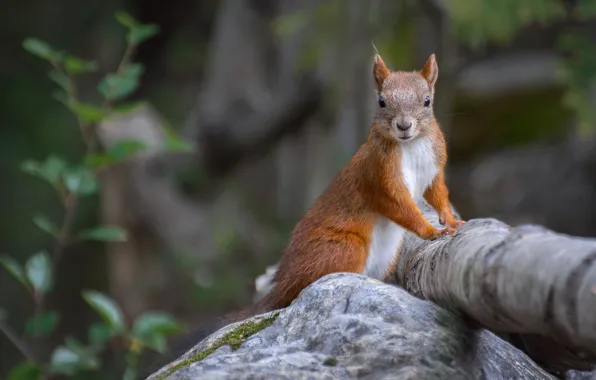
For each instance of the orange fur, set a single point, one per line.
(335, 234)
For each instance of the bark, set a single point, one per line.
(526, 280)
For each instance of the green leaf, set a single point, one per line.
(39, 272)
(127, 107)
(74, 66)
(3, 314)
(174, 142)
(106, 308)
(155, 322)
(99, 333)
(60, 78)
(105, 233)
(129, 374)
(125, 148)
(15, 269)
(121, 150)
(125, 19)
(25, 371)
(80, 180)
(61, 96)
(119, 85)
(74, 357)
(156, 342)
(50, 170)
(45, 224)
(75, 346)
(41, 49)
(88, 113)
(42, 325)
(152, 327)
(141, 33)
(65, 361)
(96, 161)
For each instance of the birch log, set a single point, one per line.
(526, 279)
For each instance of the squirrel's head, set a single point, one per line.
(405, 104)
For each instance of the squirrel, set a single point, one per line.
(359, 222)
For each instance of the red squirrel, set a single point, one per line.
(358, 223)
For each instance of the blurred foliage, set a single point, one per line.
(487, 125)
(477, 23)
(323, 18)
(71, 182)
(578, 72)
(327, 20)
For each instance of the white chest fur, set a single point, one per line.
(418, 168)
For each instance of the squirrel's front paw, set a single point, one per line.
(457, 224)
(447, 231)
(451, 222)
(435, 234)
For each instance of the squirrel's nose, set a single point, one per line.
(404, 126)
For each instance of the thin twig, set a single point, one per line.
(71, 199)
(130, 48)
(20, 345)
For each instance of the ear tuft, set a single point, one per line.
(430, 71)
(380, 72)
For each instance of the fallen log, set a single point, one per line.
(526, 280)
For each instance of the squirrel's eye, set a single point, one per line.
(381, 102)
(427, 101)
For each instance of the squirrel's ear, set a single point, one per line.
(380, 72)
(430, 71)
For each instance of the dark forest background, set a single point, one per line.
(263, 101)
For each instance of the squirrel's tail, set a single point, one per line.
(266, 304)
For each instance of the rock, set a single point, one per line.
(347, 326)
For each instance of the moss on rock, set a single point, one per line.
(233, 338)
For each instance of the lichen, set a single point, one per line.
(330, 362)
(233, 338)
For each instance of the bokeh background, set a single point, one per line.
(276, 95)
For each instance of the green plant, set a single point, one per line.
(477, 23)
(72, 182)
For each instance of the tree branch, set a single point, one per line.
(245, 105)
(527, 280)
(16, 341)
(221, 150)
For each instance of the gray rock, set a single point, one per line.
(348, 326)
